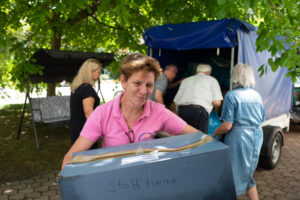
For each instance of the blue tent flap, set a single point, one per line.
(274, 87)
(197, 35)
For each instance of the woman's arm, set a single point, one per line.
(88, 106)
(188, 129)
(81, 144)
(217, 104)
(223, 128)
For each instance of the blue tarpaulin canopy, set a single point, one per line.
(188, 43)
(197, 35)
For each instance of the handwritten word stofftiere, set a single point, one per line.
(136, 184)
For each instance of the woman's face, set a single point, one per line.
(138, 88)
(96, 74)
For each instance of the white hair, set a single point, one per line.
(242, 75)
(201, 68)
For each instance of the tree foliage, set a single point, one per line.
(117, 26)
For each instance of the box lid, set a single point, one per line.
(142, 158)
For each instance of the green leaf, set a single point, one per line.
(289, 74)
(89, 10)
(261, 73)
(220, 13)
(261, 68)
(293, 77)
(221, 2)
(285, 61)
(247, 4)
(272, 65)
(253, 3)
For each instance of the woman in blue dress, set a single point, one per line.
(242, 115)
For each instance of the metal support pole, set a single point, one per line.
(33, 123)
(23, 112)
(231, 66)
(35, 133)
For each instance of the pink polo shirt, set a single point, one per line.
(108, 122)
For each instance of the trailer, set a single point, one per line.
(222, 44)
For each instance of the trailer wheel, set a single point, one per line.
(275, 146)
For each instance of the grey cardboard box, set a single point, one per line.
(203, 172)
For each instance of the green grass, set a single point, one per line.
(20, 158)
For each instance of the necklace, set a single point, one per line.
(131, 118)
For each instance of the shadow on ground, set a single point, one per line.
(20, 158)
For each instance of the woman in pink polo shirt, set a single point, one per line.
(131, 117)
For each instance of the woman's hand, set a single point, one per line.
(223, 128)
(214, 135)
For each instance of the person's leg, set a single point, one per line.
(252, 193)
(196, 117)
(190, 116)
(257, 138)
(203, 121)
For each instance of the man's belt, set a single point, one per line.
(191, 106)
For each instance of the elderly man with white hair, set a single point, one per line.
(197, 96)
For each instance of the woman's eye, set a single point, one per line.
(137, 83)
(149, 85)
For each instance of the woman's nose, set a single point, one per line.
(143, 89)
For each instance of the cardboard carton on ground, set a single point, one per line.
(202, 172)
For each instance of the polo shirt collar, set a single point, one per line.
(146, 109)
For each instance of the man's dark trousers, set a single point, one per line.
(195, 116)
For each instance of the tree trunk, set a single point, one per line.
(55, 44)
(51, 89)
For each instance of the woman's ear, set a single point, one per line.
(123, 81)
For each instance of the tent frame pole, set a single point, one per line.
(231, 66)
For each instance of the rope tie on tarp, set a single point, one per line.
(98, 157)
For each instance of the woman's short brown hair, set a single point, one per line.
(138, 62)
